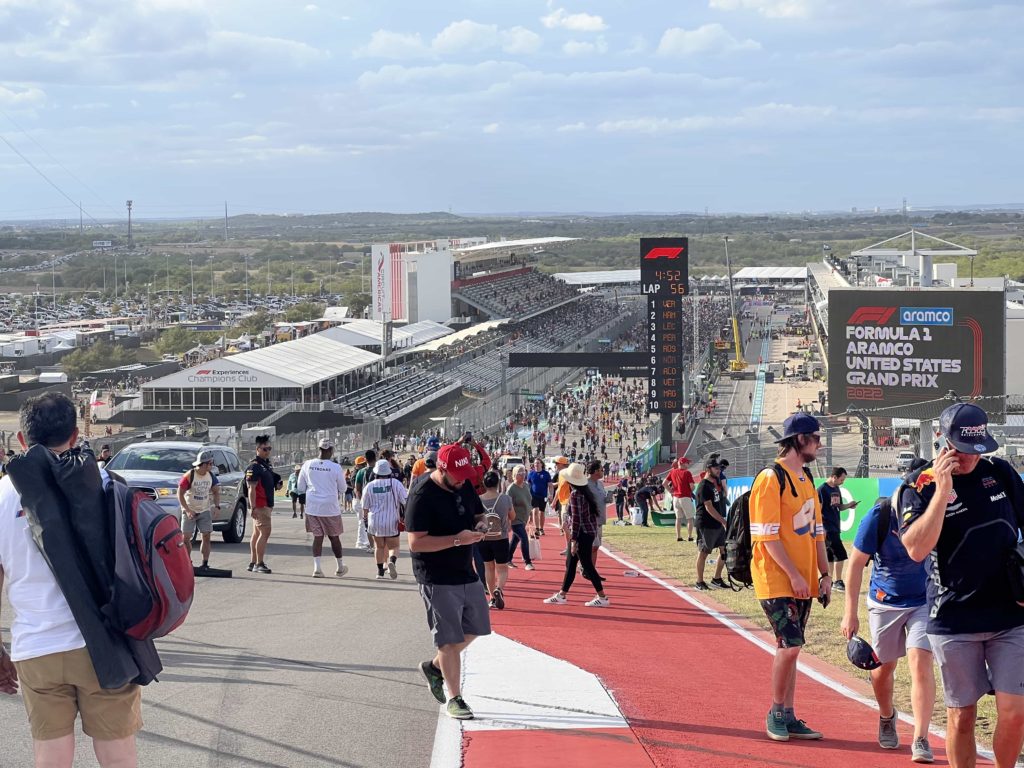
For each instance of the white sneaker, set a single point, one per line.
(342, 570)
(598, 602)
(530, 567)
(318, 574)
(556, 599)
(380, 577)
(392, 570)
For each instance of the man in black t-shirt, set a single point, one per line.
(711, 511)
(964, 515)
(440, 517)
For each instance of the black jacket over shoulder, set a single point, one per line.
(71, 520)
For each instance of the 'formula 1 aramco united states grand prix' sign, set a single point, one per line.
(898, 349)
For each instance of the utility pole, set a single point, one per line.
(128, 203)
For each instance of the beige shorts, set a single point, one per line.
(60, 686)
(261, 517)
(683, 507)
(324, 526)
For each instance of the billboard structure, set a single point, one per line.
(890, 348)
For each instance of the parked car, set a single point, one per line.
(156, 467)
(904, 459)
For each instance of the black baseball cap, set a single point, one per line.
(965, 426)
(799, 424)
(861, 654)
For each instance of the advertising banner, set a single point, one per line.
(895, 347)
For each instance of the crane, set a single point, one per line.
(738, 364)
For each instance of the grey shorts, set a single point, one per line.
(894, 630)
(455, 610)
(974, 664)
(710, 539)
(203, 521)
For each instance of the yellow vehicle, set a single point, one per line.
(738, 364)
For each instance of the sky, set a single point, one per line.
(478, 106)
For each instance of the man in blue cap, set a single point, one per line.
(788, 554)
(964, 516)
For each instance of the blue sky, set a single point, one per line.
(481, 106)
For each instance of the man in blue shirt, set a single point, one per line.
(539, 480)
(898, 618)
(964, 516)
(831, 505)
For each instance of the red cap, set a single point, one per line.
(456, 461)
(682, 460)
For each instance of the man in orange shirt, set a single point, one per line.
(561, 499)
(788, 554)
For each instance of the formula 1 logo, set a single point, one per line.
(664, 253)
(871, 315)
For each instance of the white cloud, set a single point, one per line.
(465, 36)
(574, 22)
(492, 128)
(709, 38)
(773, 9)
(572, 128)
(385, 44)
(311, 8)
(520, 40)
(21, 97)
(585, 48)
(764, 116)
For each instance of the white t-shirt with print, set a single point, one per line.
(323, 482)
(43, 622)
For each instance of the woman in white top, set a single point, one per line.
(383, 502)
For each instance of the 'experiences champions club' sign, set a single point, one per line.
(891, 347)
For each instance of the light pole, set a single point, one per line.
(247, 281)
(268, 277)
(167, 293)
(291, 264)
(192, 276)
(53, 268)
(149, 306)
(128, 203)
(212, 277)
(115, 274)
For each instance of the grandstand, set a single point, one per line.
(399, 395)
(519, 293)
(482, 374)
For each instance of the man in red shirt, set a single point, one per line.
(679, 481)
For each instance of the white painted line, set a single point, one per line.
(511, 686)
(747, 635)
(447, 752)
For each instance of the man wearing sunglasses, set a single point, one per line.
(260, 481)
(788, 554)
(963, 517)
(441, 516)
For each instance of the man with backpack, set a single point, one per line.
(788, 554)
(64, 653)
(197, 488)
(711, 524)
(898, 619)
(964, 515)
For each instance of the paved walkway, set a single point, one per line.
(690, 686)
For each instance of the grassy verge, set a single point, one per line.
(657, 548)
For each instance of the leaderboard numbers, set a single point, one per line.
(663, 277)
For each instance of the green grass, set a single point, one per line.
(657, 548)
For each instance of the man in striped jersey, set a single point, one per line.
(384, 500)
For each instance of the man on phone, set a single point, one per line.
(963, 517)
(440, 518)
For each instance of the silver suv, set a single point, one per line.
(155, 468)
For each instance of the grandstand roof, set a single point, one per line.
(368, 333)
(299, 363)
(457, 336)
(771, 273)
(603, 277)
(531, 242)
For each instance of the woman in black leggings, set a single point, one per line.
(581, 521)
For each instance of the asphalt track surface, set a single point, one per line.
(281, 669)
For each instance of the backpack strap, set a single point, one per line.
(784, 480)
(884, 521)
